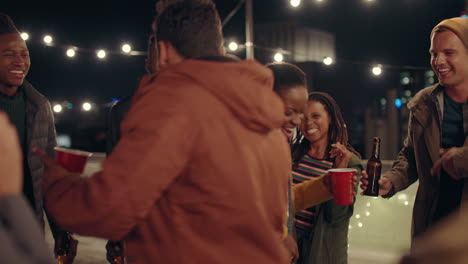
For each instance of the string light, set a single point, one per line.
(126, 48)
(278, 57)
(278, 54)
(57, 108)
(71, 53)
(295, 3)
(233, 46)
(48, 39)
(377, 70)
(101, 54)
(358, 216)
(327, 61)
(86, 106)
(25, 36)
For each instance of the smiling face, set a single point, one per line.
(295, 102)
(316, 123)
(449, 59)
(14, 62)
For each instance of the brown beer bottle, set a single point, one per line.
(374, 168)
(61, 259)
(64, 249)
(118, 260)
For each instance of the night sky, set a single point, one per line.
(388, 31)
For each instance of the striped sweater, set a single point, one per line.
(308, 168)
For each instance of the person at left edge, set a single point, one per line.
(32, 116)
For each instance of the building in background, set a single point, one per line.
(296, 43)
(372, 104)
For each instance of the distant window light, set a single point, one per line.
(64, 140)
(405, 80)
(383, 101)
(398, 103)
(429, 74)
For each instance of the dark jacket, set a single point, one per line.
(21, 239)
(116, 115)
(40, 134)
(420, 151)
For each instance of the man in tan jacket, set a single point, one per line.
(200, 174)
(435, 151)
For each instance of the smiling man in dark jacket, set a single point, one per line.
(29, 111)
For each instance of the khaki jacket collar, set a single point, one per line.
(427, 110)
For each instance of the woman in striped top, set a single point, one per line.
(322, 231)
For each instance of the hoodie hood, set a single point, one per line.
(246, 88)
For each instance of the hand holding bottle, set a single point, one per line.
(385, 185)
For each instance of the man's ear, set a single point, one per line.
(163, 53)
(223, 51)
(168, 55)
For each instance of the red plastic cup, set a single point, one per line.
(71, 159)
(342, 185)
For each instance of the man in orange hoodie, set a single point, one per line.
(200, 174)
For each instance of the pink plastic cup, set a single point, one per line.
(342, 185)
(71, 159)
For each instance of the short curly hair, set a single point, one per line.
(193, 27)
(6, 25)
(286, 75)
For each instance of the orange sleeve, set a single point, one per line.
(310, 193)
(157, 137)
